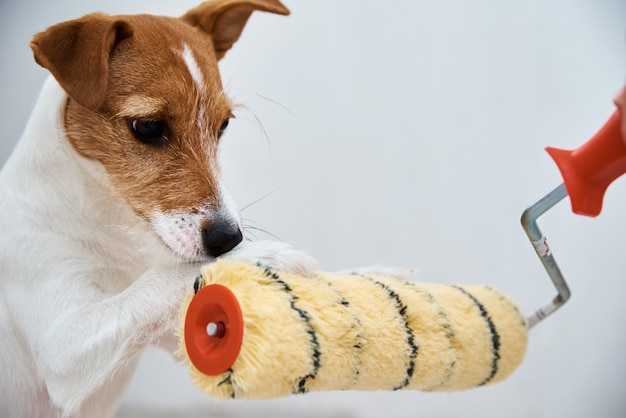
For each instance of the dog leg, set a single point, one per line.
(93, 346)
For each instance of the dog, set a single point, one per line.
(111, 202)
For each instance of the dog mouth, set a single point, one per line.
(196, 238)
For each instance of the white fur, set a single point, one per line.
(198, 80)
(181, 231)
(85, 284)
(194, 69)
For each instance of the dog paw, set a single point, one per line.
(275, 255)
(407, 274)
(159, 294)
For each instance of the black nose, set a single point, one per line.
(219, 238)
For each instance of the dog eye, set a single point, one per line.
(222, 128)
(149, 132)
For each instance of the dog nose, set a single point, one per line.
(220, 238)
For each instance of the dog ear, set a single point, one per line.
(224, 20)
(77, 54)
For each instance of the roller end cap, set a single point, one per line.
(213, 353)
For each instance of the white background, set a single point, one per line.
(410, 133)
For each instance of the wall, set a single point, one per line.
(411, 133)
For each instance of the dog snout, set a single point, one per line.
(220, 238)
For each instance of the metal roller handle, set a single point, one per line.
(587, 172)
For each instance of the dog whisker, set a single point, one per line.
(259, 95)
(254, 202)
(277, 103)
(252, 235)
(264, 132)
(259, 229)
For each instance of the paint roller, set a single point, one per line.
(254, 333)
(249, 332)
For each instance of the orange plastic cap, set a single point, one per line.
(213, 329)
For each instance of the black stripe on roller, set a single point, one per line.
(227, 380)
(446, 327)
(495, 337)
(358, 342)
(306, 318)
(410, 338)
(511, 305)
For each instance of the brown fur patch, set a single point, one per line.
(182, 172)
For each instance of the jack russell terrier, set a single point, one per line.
(111, 201)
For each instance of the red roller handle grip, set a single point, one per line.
(588, 170)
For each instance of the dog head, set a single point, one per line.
(146, 102)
